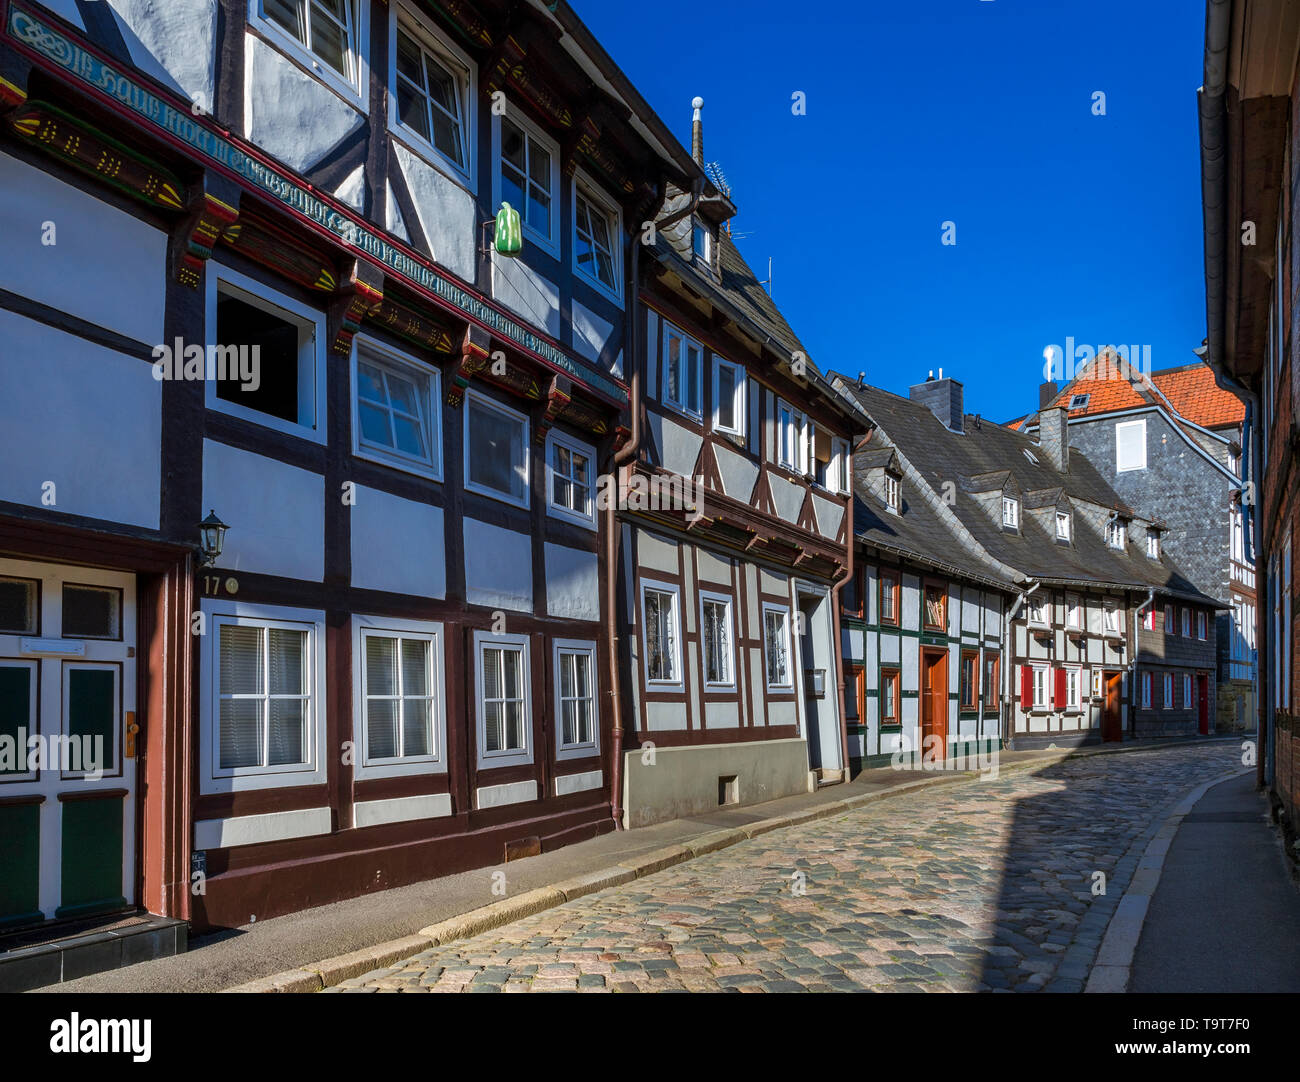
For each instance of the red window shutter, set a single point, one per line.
(1059, 700)
(1026, 686)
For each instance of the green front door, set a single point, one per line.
(67, 766)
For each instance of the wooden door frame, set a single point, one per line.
(1106, 676)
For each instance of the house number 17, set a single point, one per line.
(215, 585)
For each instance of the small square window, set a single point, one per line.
(19, 613)
(496, 450)
(1153, 545)
(1063, 525)
(893, 491)
(570, 479)
(395, 411)
(1111, 617)
(1010, 513)
(1073, 612)
(1079, 401)
(936, 607)
(400, 703)
(702, 243)
(1131, 445)
(1036, 611)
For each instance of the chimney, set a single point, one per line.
(943, 398)
(1046, 392)
(697, 131)
(1054, 437)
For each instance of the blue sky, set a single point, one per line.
(919, 112)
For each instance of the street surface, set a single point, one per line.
(988, 884)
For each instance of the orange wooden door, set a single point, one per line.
(934, 703)
(1111, 728)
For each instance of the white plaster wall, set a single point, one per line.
(774, 583)
(711, 568)
(590, 332)
(657, 554)
(276, 513)
(396, 545)
(662, 717)
(105, 266)
(526, 293)
(739, 474)
(786, 496)
(721, 715)
(830, 514)
(679, 447)
(782, 712)
(288, 113)
(447, 215)
(572, 583)
(393, 220)
(175, 41)
(498, 567)
(353, 189)
(85, 417)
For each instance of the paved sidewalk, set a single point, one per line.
(302, 939)
(1225, 916)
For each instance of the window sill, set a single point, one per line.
(354, 94)
(493, 494)
(415, 469)
(567, 514)
(682, 411)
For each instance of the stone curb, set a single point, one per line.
(1113, 968)
(333, 971)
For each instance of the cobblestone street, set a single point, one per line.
(981, 885)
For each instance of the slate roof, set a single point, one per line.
(941, 456)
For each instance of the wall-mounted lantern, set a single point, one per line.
(212, 536)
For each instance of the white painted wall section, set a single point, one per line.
(572, 583)
(396, 545)
(276, 513)
(526, 293)
(446, 213)
(175, 41)
(288, 113)
(104, 266)
(498, 567)
(84, 417)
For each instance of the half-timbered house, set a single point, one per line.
(1081, 642)
(251, 270)
(734, 534)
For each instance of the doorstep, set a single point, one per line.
(38, 958)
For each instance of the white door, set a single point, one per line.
(67, 741)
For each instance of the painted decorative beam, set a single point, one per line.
(473, 359)
(361, 296)
(257, 237)
(558, 395)
(214, 212)
(414, 322)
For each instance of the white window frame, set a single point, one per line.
(1063, 518)
(1073, 688)
(1074, 611)
(424, 630)
(586, 518)
(1141, 424)
(1037, 610)
(494, 760)
(1010, 513)
(596, 198)
(1117, 534)
(516, 117)
(1112, 618)
(660, 683)
(213, 779)
(1153, 545)
(1041, 681)
(842, 462)
(383, 356)
(788, 445)
(588, 749)
(698, 226)
(893, 492)
(683, 407)
(728, 685)
(260, 295)
(740, 396)
(493, 405)
(354, 88)
(784, 610)
(461, 68)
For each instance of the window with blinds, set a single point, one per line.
(398, 692)
(264, 695)
(576, 697)
(503, 669)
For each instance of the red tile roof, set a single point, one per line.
(1193, 393)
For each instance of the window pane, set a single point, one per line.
(274, 341)
(381, 665)
(584, 721)
(539, 168)
(288, 13)
(288, 732)
(496, 451)
(673, 375)
(512, 147)
(241, 741)
(374, 425)
(492, 725)
(91, 612)
(18, 606)
(381, 729)
(568, 672)
(514, 726)
(513, 681)
(570, 723)
(370, 383)
(409, 437)
(446, 137)
(415, 667)
(329, 42)
(539, 211)
(241, 660)
(417, 717)
(492, 673)
(726, 396)
(288, 654)
(408, 58)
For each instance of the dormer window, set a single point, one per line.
(1153, 544)
(702, 243)
(1063, 525)
(1116, 533)
(893, 491)
(1079, 401)
(1010, 513)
